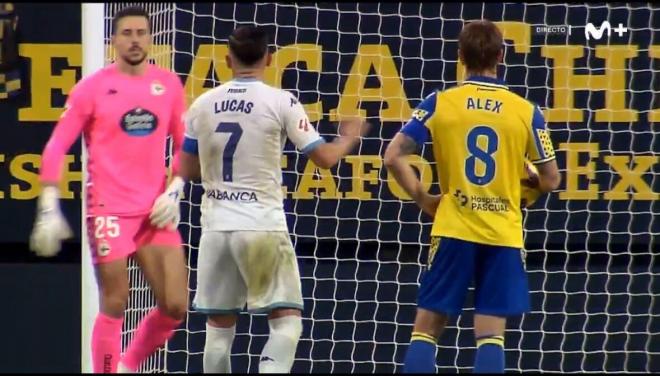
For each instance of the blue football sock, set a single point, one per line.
(420, 357)
(490, 355)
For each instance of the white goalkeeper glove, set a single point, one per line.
(50, 226)
(165, 211)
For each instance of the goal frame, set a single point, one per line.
(93, 59)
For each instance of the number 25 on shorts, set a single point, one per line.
(106, 227)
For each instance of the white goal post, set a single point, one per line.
(93, 59)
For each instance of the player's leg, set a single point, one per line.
(164, 267)
(278, 354)
(421, 354)
(163, 264)
(500, 291)
(489, 335)
(220, 333)
(111, 244)
(220, 294)
(112, 280)
(441, 294)
(269, 266)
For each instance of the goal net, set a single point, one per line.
(362, 244)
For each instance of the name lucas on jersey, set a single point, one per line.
(233, 105)
(231, 196)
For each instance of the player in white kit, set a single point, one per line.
(234, 138)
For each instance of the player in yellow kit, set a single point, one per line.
(482, 134)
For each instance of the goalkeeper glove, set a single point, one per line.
(50, 226)
(166, 208)
(529, 187)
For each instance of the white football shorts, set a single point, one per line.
(257, 268)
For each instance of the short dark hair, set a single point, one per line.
(480, 42)
(132, 11)
(248, 44)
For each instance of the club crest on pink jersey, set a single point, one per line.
(157, 88)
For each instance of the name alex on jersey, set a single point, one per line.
(487, 105)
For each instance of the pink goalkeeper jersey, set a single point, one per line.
(126, 121)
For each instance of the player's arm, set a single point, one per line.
(326, 155)
(542, 155)
(190, 168)
(176, 130)
(407, 142)
(50, 226)
(549, 177)
(307, 140)
(396, 162)
(165, 211)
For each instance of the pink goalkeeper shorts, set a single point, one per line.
(112, 237)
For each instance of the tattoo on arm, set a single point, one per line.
(408, 145)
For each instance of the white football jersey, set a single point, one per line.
(241, 128)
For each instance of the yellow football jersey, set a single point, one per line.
(481, 135)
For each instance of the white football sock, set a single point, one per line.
(280, 350)
(217, 349)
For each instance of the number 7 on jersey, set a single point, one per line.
(235, 132)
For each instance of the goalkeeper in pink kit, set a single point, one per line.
(126, 112)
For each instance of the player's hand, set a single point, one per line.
(529, 192)
(50, 226)
(353, 127)
(165, 211)
(532, 180)
(429, 203)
